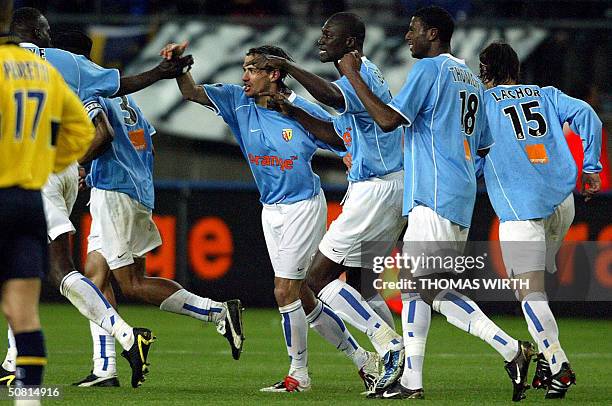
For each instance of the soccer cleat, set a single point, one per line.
(518, 368)
(370, 372)
(541, 379)
(6, 377)
(393, 366)
(231, 326)
(137, 355)
(94, 380)
(289, 384)
(560, 382)
(397, 391)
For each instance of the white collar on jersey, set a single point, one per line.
(454, 58)
(28, 45)
(292, 97)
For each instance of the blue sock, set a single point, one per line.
(31, 358)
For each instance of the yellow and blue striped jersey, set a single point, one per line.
(43, 125)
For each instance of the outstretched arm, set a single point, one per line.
(321, 89)
(185, 81)
(386, 118)
(166, 69)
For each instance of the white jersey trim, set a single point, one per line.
(502, 188)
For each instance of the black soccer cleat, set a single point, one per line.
(6, 377)
(97, 381)
(542, 376)
(137, 355)
(560, 382)
(231, 326)
(397, 391)
(518, 368)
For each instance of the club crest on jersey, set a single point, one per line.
(287, 134)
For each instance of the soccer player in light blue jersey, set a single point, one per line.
(279, 152)
(441, 106)
(123, 192)
(59, 193)
(371, 210)
(535, 208)
(87, 80)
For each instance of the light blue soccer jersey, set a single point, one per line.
(127, 166)
(375, 153)
(84, 77)
(278, 149)
(530, 169)
(441, 101)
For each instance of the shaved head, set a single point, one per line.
(351, 24)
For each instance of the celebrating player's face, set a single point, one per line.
(331, 43)
(255, 80)
(417, 38)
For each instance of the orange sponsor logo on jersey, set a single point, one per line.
(138, 139)
(270, 160)
(346, 137)
(537, 154)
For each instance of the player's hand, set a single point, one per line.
(350, 63)
(82, 176)
(170, 69)
(278, 101)
(348, 161)
(591, 184)
(271, 62)
(173, 50)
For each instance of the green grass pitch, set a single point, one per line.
(191, 363)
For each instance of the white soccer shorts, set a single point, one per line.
(371, 211)
(429, 234)
(532, 245)
(121, 229)
(292, 233)
(59, 194)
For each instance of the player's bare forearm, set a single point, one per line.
(102, 140)
(321, 89)
(386, 118)
(166, 69)
(190, 91)
(323, 130)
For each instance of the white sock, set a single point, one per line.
(331, 327)
(378, 304)
(295, 329)
(91, 303)
(350, 305)
(11, 351)
(201, 308)
(103, 352)
(463, 312)
(416, 318)
(543, 328)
